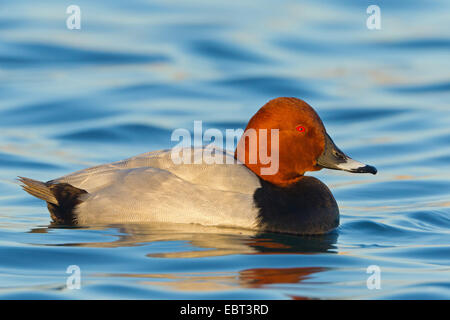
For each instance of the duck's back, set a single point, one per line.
(152, 187)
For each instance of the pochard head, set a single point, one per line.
(303, 143)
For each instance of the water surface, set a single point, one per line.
(138, 70)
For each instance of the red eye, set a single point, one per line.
(300, 128)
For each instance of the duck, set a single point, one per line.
(235, 193)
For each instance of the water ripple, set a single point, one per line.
(137, 70)
(52, 54)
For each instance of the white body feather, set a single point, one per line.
(152, 188)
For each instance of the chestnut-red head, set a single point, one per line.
(303, 143)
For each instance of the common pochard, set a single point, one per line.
(151, 187)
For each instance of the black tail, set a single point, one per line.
(61, 198)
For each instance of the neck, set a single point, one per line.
(282, 178)
(281, 181)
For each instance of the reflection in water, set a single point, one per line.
(210, 242)
(259, 277)
(215, 281)
(214, 240)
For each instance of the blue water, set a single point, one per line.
(139, 69)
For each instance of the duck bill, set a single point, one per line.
(333, 158)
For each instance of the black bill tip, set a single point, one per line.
(365, 169)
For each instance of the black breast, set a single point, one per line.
(305, 207)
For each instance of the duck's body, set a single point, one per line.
(152, 188)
